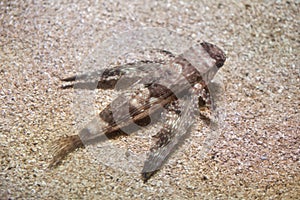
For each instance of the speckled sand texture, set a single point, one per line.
(257, 154)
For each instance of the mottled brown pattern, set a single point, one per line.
(256, 155)
(136, 105)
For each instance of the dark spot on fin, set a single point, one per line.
(67, 86)
(158, 91)
(69, 79)
(144, 121)
(215, 52)
(147, 175)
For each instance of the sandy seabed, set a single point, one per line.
(257, 153)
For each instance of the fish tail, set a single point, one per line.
(63, 147)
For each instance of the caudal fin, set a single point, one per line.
(63, 147)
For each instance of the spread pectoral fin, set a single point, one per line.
(119, 77)
(179, 119)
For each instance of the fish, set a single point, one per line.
(171, 89)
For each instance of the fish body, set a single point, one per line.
(173, 89)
